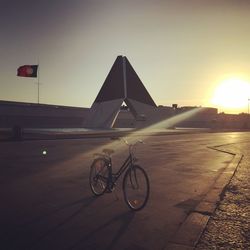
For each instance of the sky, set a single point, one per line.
(181, 50)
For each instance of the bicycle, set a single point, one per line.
(135, 184)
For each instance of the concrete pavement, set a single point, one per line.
(229, 226)
(47, 204)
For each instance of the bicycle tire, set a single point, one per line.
(98, 176)
(136, 188)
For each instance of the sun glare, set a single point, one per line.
(232, 94)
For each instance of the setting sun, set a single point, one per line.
(232, 94)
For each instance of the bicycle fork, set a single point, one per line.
(133, 179)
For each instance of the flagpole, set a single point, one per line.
(38, 83)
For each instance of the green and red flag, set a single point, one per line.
(27, 71)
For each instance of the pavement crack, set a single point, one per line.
(221, 150)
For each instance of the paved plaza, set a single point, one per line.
(46, 202)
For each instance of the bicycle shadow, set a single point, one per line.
(25, 228)
(125, 219)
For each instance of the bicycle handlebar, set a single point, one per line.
(132, 144)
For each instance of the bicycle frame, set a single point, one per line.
(103, 180)
(125, 165)
(113, 177)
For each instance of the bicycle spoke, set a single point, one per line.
(133, 179)
(98, 176)
(136, 188)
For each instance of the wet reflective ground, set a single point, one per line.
(46, 201)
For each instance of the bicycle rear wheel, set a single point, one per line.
(136, 188)
(98, 177)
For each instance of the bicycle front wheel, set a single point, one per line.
(98, 177)
(136, 188)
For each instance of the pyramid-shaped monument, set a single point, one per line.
(121, 85)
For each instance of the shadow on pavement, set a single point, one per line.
(21, 238)
(86, 243)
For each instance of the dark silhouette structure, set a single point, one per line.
(122, 85)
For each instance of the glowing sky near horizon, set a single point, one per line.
(180, 49)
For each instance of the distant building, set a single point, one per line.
(232, 121)
(203, 119)
(123, 101)
(30, 115)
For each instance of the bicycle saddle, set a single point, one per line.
(108, 151)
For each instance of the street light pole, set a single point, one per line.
(248, 106)
(248, 113)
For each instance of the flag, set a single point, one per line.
(27, 71)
